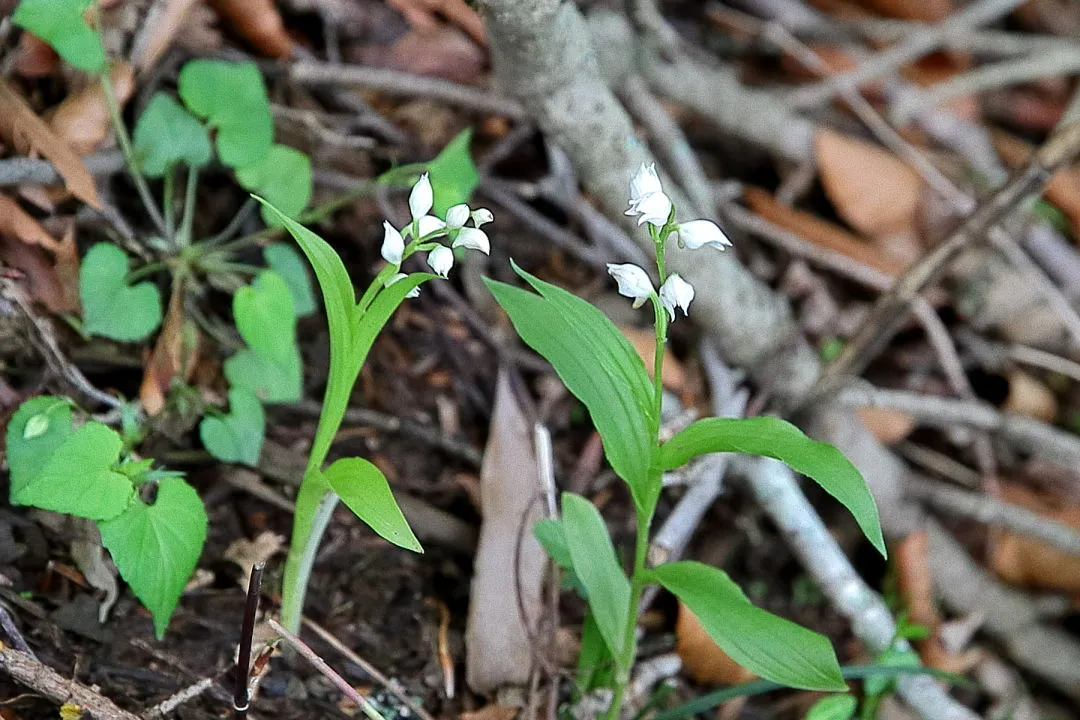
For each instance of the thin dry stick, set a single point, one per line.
(241, 691)
(41, 678)
(175, 700)
(881, 323)
(367, 667)
(328, 672)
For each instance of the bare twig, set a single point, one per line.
(7, 624)
(241, 692)
(41, 678)
(37, 171)
(166, 706)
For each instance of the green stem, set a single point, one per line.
(298, 573)
(128, 151)
(637, 588)
(183, 238)
(167, 205)
(148, 269)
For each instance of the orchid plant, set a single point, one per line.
(601, 368)
(353, 328)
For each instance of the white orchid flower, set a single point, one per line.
(699, 233)
(645, 182)
(457, 216)
(653, 208)
(421, 198)
(393, 245)
(415, 292)
(676, 293)
(473, 239)
(430, 225)
(633, 282)
(441, 259)
(481, 216)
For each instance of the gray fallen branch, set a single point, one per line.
(41, 678)
(35, 171)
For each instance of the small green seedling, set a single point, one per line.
(292, 268)
(62, 24)
(167, 135)
(270, 366)
(601, 368)
(111, 307)
(237, 436)
(87, 472)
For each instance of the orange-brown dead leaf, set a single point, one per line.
(82, 119)
(921, 10)
(887, 425)
(51, 266)
(1027, 562)
(35, 58)
(491, 712)
(644, 341)
(819, 232)
(702, 657)
(258, 22)
(917, 589)
(175, 355)
(872, 189)
(421, 15)
(442, 51)
(22, 128)
(1064, 187)
(163, 23)
(1031, 397)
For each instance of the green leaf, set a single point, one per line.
(112, 308)
(167, 134)
(596, 666)
(78, 477)
(833, 707)
(551, 536)
(62, 24)
(287, 263)
(283, 177)
(775, 438)
(231, 97)
(597, 568)
(772, 647)
(453, 174)
(34, 432)
(238, 436)
(893, 658)
(270, 366)
(600, 368)
(363, 488)
(156, 547)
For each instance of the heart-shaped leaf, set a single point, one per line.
(270, 366)
(112, 308)
(62, 24)
(156, 547)
(34, 432)
(167, 134)
(286, 262)
(363, 488)
(283, 178)
(238, 436)
(78, 478)
(232, 99)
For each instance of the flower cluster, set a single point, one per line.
(425, 229)
(651, 205)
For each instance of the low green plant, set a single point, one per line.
(599, 366)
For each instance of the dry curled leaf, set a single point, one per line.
(702, 657)
(258, 22)
(51, 266)
(163, 24)
(1031, 397)
(35, 58)
(175, 355)
(82, 119)
(819, 232)
(23, 129)
(247, 553)
(644, 341)
(887, 425)
(1024, 561)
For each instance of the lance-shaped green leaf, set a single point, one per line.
(364, 489)
(111, 307)
(236, 436)
(167, 134)
(36, 430)
(62, 24)
(775, 438)
(774, 648)
(598, 569)
(156, 547)
(599, 367)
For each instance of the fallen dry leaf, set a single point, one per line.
(870, 188)
(443, 51)
(644, 341)
(21, 126)
(917, 589)
(1064, 187)
(1027, 562)
(492, 712)
(258, 22)
(175, 355)
(887, 425)
(819, 232)
(421, 14)
(246, 553)
(163, 24)
(51, 266)
(82, 119)
(921, 10)
(508, 571)
(35, 58)
(702, 657)
(1031, 397)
